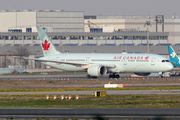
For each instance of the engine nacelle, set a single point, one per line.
(97, 70)
(142, 74)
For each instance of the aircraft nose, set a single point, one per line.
(170, 67)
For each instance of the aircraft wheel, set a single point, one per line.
(117, 76)
(114, 75)
(110, 76)
(93, 77)
(160, 76)
(88, 76)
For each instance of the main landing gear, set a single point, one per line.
(88, 76)
(113, 75)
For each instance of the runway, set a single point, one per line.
(78, 80)
(108, 92)
(57, 76)
(48, 76)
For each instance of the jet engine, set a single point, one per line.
(142, 74)
(96, 70)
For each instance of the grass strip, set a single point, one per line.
(128, 101)
(86, 88)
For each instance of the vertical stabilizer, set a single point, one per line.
(173, 56)
(46, 44)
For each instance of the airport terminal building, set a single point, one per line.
(73, 32)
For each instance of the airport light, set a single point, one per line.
(66, 97)
(147, 24)
(69, 97)
(77, 97)
(54, 97)
(47, 97)
(62, 97)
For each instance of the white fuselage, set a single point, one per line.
(139, 63)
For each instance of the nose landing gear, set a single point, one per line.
(161, 74)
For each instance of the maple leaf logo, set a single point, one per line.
(45, 45)
(147, 57)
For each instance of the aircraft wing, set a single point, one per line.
(83, 65)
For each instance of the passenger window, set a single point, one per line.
(167, 61)
(163, 60)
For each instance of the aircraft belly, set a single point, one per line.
(65, 67)
(70, 68)
(139, 67)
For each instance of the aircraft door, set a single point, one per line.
(125, 61)
(88, 59)
(153, 61)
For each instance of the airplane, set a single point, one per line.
(98, 64)
(174, 59)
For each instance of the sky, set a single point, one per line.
(99, 7)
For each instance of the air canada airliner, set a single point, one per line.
(98, 64)
(174, 59)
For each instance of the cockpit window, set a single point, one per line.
(165, 61)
